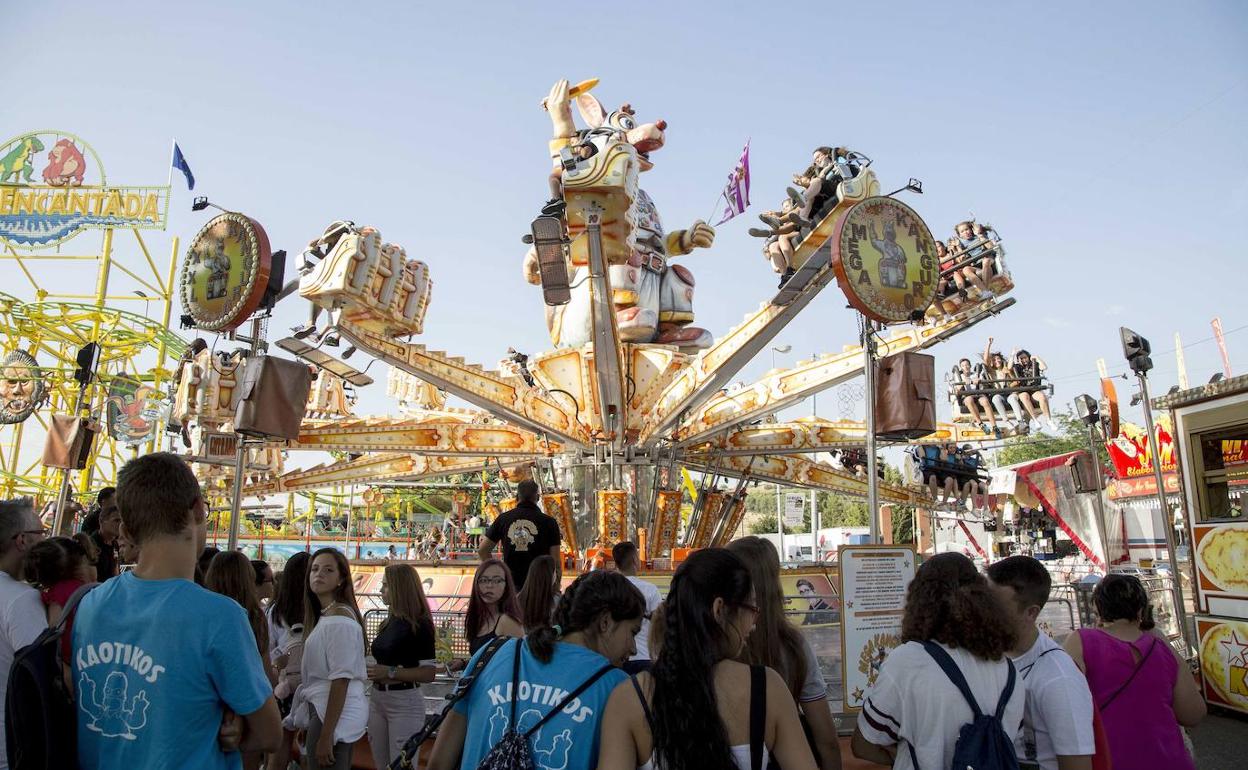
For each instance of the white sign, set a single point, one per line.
(873, 597)
(794, 510)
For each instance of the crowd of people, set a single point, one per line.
(1002, 391)
(232, 666)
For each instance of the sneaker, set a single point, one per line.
(795, 195)
(784, 278)
(759, 232)
(302, 331)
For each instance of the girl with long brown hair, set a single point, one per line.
(331, 703)
(404, 652)
(951, 615)
(540, 594)
(230, 574)
(776, 644)
(492, 607)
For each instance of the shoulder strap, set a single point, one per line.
(645, 706)
(71, 604)
(758, 715)
(568, 699)
(1007, 692)
(955, 675)
(1130, 679)
(1026, 670)
(515, 682)
(465, 682)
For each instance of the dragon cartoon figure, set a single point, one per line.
(597, 168)
(112, 716)
(66, 165)
(18, 165)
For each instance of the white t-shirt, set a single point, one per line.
(1058, 717)
(913, 701)
(651, 594)
(22, 618)
(815, 686)
(334, 650)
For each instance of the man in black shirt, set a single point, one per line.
(525, 534)
(106, 539)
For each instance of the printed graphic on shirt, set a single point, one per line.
(550, 750)
(522, 533)
(112, 710)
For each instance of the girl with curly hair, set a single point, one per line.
(912, 700)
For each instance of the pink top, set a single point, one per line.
(1139, 722)
(60, 593)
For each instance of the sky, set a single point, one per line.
(1104, 141)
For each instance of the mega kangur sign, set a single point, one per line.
(225, 272)
(885, 260)
(52, 187)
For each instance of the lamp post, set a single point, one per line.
(1089, 412)
(1136, 350)
(779, 511)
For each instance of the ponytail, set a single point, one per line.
(580, 607)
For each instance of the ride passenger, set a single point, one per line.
(529, 683)
(775, 643)
(662, 719)
(977, 248)
(1029, 373)
(978, 407)
(1000, 376)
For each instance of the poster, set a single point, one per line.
(1221, 554)
(874, 579)
(1224, 661)
(794, 510)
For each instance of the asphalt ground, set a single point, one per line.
(1221, 741)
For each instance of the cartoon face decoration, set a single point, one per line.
(22, 388)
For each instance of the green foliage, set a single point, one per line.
(1073, 437)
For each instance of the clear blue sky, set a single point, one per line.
(1105, 141)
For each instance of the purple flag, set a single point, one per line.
(736, 195)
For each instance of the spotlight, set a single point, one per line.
(186, 322)
(1173, 389)
(1136, 350)
(1215, 378)
(915, 186)
(200, 203)
(1087, 409)
(1136, 399)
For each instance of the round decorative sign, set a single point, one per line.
(885, 260)
(225, 272)
(22, 388)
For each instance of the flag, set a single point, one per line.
(179, 162)
(736, 195)
(1221, 338)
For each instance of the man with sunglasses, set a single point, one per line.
(22, 616)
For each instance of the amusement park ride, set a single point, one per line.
(628, 396)
(630, 393)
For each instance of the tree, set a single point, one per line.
(1073, 437)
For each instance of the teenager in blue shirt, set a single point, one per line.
(595, 623)
(159, 662)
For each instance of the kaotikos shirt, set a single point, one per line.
(156, 663)
(569, 741)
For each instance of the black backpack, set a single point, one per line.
(982, 743)
(41, 724)
(512, 752)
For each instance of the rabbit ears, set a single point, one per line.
(592, 111)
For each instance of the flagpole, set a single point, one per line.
(173, 143)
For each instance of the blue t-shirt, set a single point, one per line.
(569, 740)
(155, 664)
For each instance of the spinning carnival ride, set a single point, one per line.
(630, 394)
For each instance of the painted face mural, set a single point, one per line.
(22, 388)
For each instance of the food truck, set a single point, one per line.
(1211, 428)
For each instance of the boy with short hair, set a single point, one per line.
(159, 662)
(1057, 720)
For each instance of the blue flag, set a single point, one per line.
(179, 162)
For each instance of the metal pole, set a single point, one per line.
(240, 453)
(1167, 522)
(779, 523)
(1100, 502)
(814, 527)
(873, 485)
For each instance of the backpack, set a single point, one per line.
(513, 752)
(982, 743)
(41, 724)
